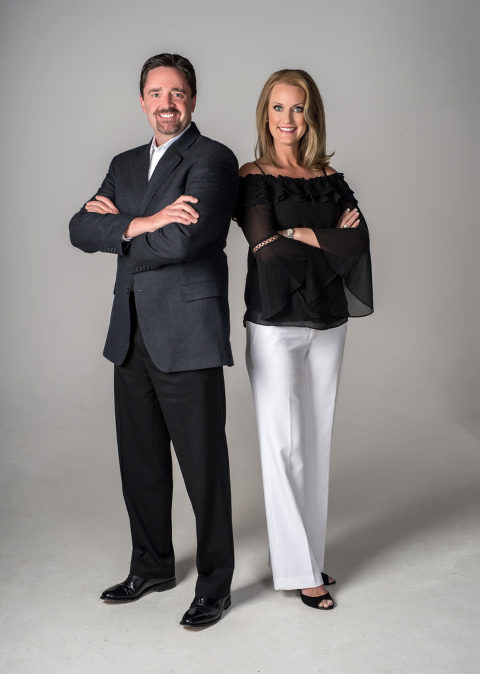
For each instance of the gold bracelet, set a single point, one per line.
(266, 242)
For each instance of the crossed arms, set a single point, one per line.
(174, 234)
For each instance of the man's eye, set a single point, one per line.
(277, 108)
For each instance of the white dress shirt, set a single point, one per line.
(157, 151)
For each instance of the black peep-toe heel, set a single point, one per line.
(314, 602)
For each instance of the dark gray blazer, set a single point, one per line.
(180, 272)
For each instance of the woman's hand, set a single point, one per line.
(349, 218)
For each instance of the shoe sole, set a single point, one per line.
(161, 587)
(226, 606)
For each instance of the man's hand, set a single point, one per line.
(179, 211)
(101, 205)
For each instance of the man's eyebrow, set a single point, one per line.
(154, 91)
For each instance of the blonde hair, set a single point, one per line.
(312, 146)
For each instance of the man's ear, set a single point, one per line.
(142, 104)
(194, 102)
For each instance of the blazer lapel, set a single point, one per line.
(139, 172)
(169, 161)
(163, 169)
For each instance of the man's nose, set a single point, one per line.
(163, 101)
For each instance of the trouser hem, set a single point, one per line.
(297, 582)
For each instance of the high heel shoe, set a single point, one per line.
(314, 602)
(325, 578)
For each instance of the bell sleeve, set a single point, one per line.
(280, 263)
(347, 251)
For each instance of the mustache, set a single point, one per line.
(165, 111)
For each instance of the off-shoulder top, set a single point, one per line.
(292, 283)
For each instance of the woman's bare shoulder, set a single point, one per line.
(250, 168)
(329, 170)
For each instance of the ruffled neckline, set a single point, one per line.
(268, 177)
(258, 188)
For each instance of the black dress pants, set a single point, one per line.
(153, 408)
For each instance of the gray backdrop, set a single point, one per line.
(400, 86)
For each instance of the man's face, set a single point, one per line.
(167, 102)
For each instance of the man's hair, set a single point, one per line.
(169, 61)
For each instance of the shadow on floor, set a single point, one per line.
(247, 593)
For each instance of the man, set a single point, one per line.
(169, 334)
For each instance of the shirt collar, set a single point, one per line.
(163, 148)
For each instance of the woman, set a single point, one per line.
(308, 271)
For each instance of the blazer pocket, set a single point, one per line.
(202, 290)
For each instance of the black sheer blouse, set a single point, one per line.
(292, 283)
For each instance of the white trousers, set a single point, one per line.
(294, 374)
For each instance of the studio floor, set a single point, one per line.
(402, 543)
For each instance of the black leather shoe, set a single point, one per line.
(134, 587)
(205, 611)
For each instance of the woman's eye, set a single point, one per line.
(298, 108)
(277, 108)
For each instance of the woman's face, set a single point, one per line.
(286, 119)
